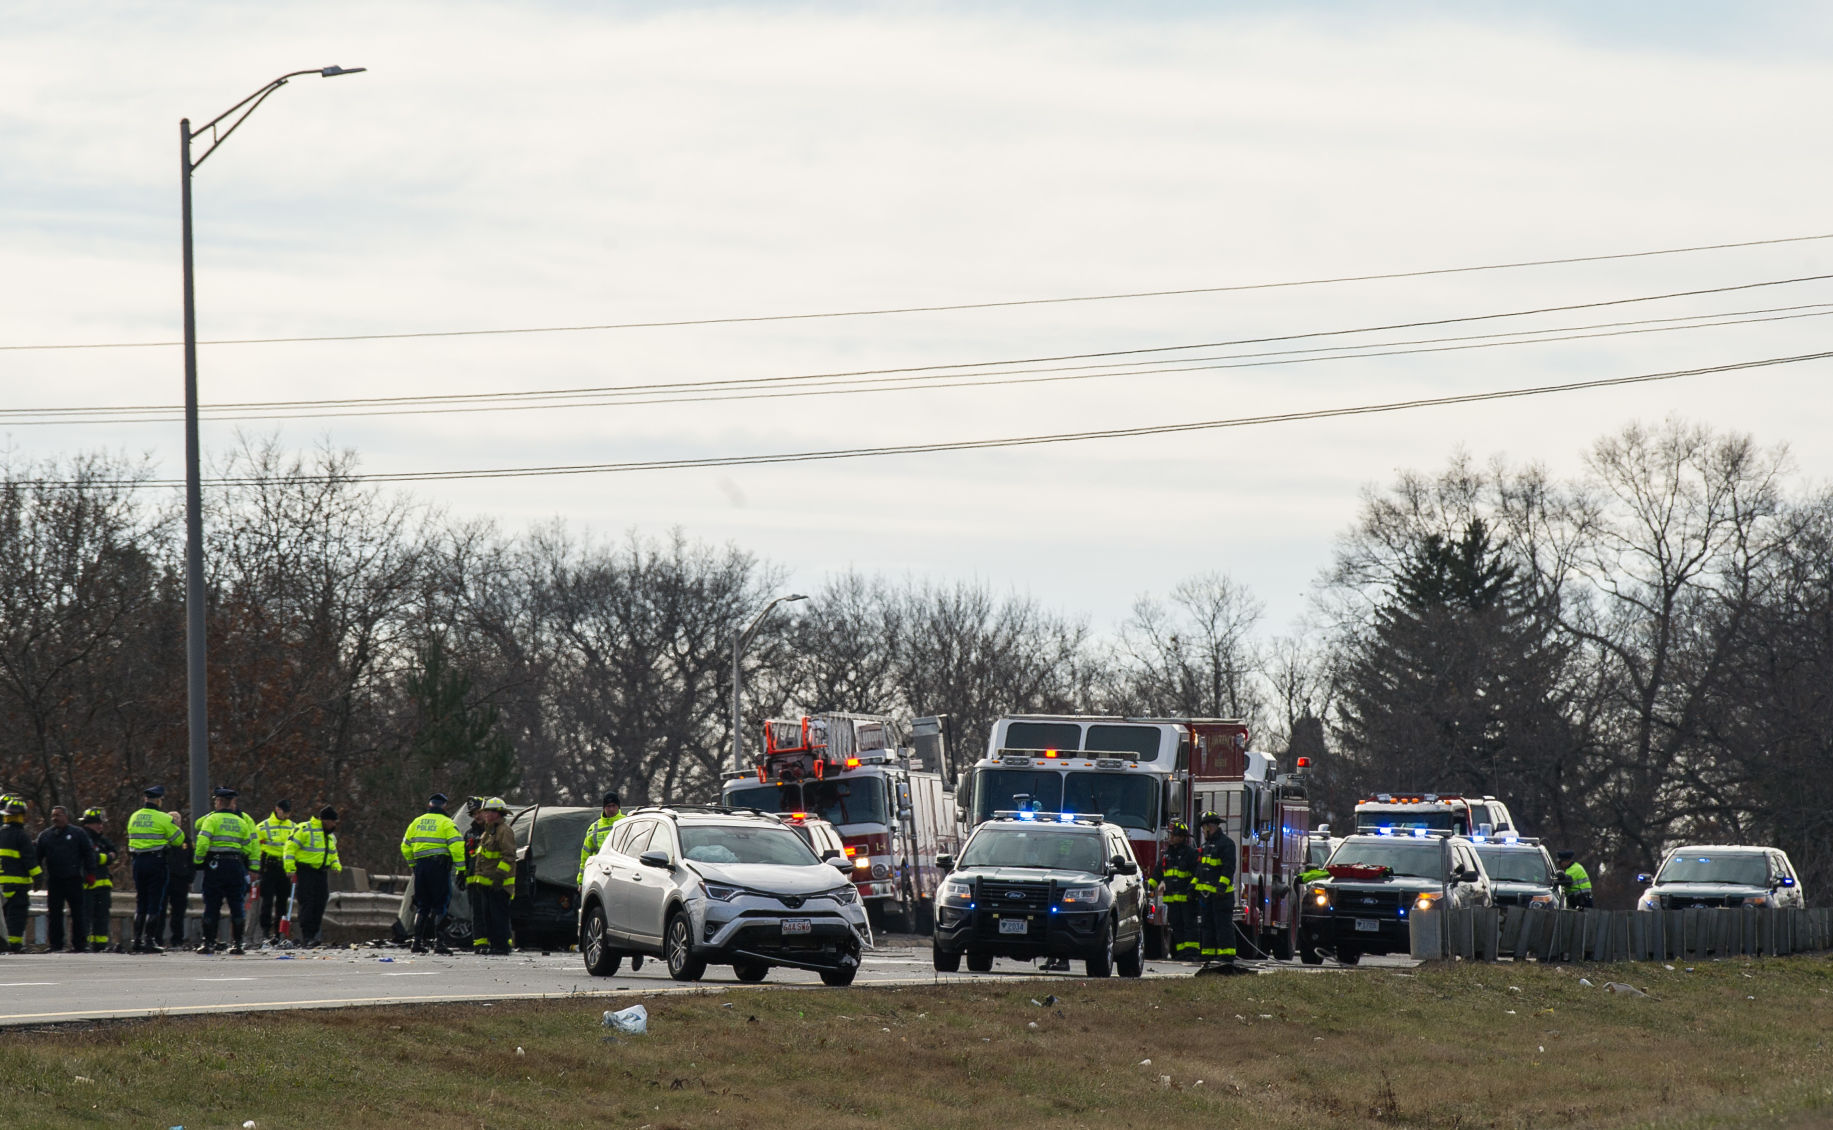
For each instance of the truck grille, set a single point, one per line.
(1372, 904)
(1014, 897)
(1692, 902)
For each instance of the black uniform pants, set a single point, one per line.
(1219, 926)
(276, 889)
(18, 907)
(314, 894)
(101, 902)
(1181, 920)
(432, 891)
(149, 895)
(177, 904)
(225, 879)
(495, 926)
(64, 892)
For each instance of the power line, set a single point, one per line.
(943, 308)
(973, 445)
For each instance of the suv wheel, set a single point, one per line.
(979, 962)
(1101, 962)
(678, 949)
(601, 959)
(946, 961)
(839, 978)
(1348, 955)
(1132, 962)
(750, 972)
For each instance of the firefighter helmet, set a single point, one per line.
(496, 804)
(1210, 818)
(92, 816)
(1179, 828)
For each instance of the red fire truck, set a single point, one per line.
(888, 802)
(1145, 773)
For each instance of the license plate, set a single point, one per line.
(796, 926)
(1368, 925)
(1013, 925)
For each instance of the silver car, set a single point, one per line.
(701, 886)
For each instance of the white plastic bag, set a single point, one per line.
(633, 1021)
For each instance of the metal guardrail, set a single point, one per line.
(1491, 933)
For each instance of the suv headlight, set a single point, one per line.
(1649, 901)
(1084, 895)
(721, 892)
(1319, 896)
(953, 891)
(845, 896)
(1426, 901)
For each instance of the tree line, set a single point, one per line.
(1630, 657)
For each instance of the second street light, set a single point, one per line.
(739, 641)
(197, 713)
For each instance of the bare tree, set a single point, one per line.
(1196, 656)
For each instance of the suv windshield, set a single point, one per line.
(854, 801)
(1442, 821)
(1515, 866)
(999, 790)
(1705, 867)
(1416, 860)
(1119, 798)
(744, 843)
(1034, 847)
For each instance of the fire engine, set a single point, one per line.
(1144, 773)
(1443, 812)
(888, 803)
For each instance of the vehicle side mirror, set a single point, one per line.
(829, 853)
(842, 864)
(1644, 877)
(657, 859)
(945, 862)
(1124, 866)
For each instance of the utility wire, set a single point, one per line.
(949, 307)
(967, 445)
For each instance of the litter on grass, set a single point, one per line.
(632, 1021)
(1620, 987)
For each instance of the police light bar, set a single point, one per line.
(1049, 817)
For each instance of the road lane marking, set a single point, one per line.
(222, 978)
(425, 973)
(26, 984)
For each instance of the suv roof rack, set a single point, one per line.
(699, 810)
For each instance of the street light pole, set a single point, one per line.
(739, 641)
(197, 715)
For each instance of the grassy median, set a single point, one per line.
(1733, 1043)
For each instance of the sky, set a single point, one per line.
(567, 164)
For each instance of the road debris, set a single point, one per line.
(633, 1021)
(1620, 987)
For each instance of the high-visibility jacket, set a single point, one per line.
(149, 829)
(495, 864)
(19, 869)
(1581, 882)
(433, 834)
(311, 846)
(595, 837)
(1313, 875)
(1216, 865)
(1176, 870)
(273, 833)
(104, 862)
(229, 831)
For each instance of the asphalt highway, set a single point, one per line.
(64, 988)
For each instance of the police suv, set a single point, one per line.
(1042, 884)
(1376, 881)
(1521, 873)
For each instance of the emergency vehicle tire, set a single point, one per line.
(1308, 954)
(1133, 962)
(947, 962)
(1100, 963)
(678, 949)
(1279, 945)
(838, 978)
(1348, 956)
(601, 959)
(750, 972)
(980, 963)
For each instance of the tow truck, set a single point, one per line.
(888, 802)
(1145, 773)
(1443, 812)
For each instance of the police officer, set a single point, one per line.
(433, 847)
(67, 856)
(149, 832)
(311, 856)
(595, 835)
(99, 891)
(226, 848)
(181, 871)
(1176, 870)
(474, 897)
(1572, 876)
(18, 870)
(272, 833)
(494, 875)
(1215, 887)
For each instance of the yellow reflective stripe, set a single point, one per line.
(10, 853)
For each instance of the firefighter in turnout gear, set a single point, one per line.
(1177, 870)
(100, 890)
(18, 870)
(149, 832)
(1215, 888)
(495, 874)
(474, 895)
(1572, 876)
(434, 849)
(227, 847)
(276, 888)
(595, 835)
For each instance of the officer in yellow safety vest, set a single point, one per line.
(1215, 887)
(311, 856)
(149, 832)
(494, 875)
(18, 870)
(1573, 877)
(433, 847)
(226, 848)
(272, 834)
(595, 835)
(100, 890)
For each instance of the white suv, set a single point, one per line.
(701, 885)
(1700, 875)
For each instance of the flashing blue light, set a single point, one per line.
(1419, 833)
(1066, 818)
(1027, 815)
(1403, 912)
(1053, 910)
(1385, 830)
(1511, 838)
(1479, 838)
(972, 905)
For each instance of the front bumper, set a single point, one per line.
(820, 934)
(1046, 933)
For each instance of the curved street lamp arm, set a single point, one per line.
(249, 105)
